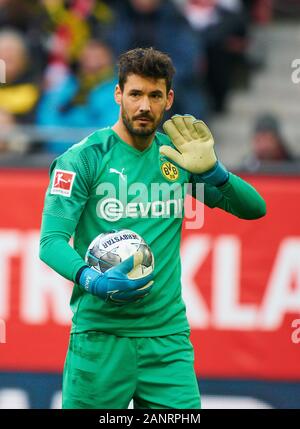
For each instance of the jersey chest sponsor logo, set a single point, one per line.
(112, 209)
(62, 182)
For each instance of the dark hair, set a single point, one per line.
(267, 122)
(147, 62)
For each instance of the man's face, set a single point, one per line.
(145, 6)
(266, 146)
(14, 55)
(143, 103)
(94, 58)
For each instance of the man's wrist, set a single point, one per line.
(216, 176)
(78, 274)
(87, 278)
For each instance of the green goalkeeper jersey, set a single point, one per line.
(102, 183)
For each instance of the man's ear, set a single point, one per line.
(118, 95)
(170, 99)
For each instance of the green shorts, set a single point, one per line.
(106, 372)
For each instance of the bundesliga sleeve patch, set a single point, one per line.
(63, 182)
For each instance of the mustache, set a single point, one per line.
(143, 116)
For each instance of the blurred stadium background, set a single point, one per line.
(238, 68)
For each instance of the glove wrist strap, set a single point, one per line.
(216, 176)
(78, 274)
(87, 279)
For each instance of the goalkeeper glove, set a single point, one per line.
(114, 284)
(195, 149)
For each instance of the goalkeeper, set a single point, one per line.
(130, 338)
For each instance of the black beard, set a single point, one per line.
(141, 132)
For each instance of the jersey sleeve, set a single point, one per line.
(69, 187)
(66, 196)
(236, 196)
(55, 249)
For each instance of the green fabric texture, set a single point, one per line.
(236, 196)
(105, 372)
(56, 233)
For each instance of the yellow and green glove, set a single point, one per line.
(195, 149)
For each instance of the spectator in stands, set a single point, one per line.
(221, 25)
(20, 94)
(267, 143)
(259, 11)
(83, 99)
(30, 19)
(73, 24)
(12, 140)
(157, 23)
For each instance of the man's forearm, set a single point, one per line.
(55, 250)
(241, 199)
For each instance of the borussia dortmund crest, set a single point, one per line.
(169, 171)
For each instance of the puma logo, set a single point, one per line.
(113, 170)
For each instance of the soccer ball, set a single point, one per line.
(111, 248)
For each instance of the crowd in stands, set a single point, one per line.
(60, 58)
